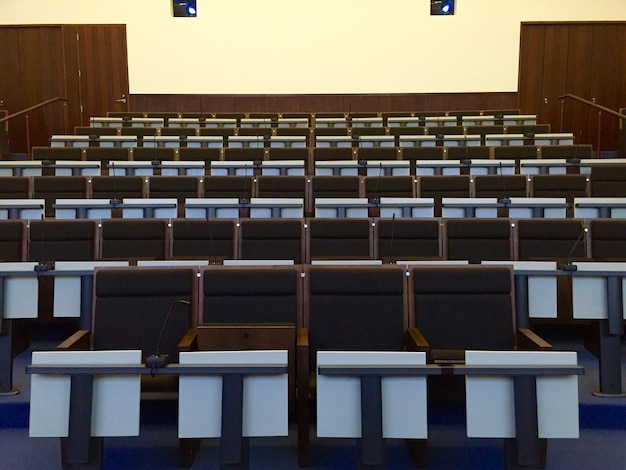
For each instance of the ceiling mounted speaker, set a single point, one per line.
(442, 7)
(185, 8)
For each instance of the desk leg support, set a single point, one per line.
(234, 448)
(522, 309)
(6, 350)
(610, 345)
(524, 452)
(371, 446)
(80, 450)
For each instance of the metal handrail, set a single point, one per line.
(31, 108)
(600, 109)
(3, 133)
(593, 105)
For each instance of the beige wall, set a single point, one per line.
(317, 46)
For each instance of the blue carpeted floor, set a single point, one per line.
(601, 444)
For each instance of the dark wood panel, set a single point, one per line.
(72, 82)
(576, 115)
(555, 72)
(103, 67)
(620, 84)
(323, 103)
(602, 87)
(11, 93)
(530, 85)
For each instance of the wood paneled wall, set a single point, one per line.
(324, 103)
(584, 59)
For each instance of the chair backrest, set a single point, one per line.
(389, 186)
(406, 238)
(460, 153)
(478, 240)
(12, 240)
(62, 240)
(608, 239)
(289, 153)
(500, 186)
(180, 187)
(377, 153)
(133, 239)
(153, 153)
(561, 239)
(199, 154)
(252, 294)
(440, 186)
(199, 238)
(57, 153)
(52, 188)
(108, 187)
(321, 154)
(355, 308)
(14, 187)
(335, 186)
(282, 186)
(229, 186)
(463, 307)
(244, 154)
(608, 181)
(516, 152)
(272, 239)
(131, 304)
(339, 238)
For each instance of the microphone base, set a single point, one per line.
(568, 267)
(505, 201)
(157, 361)
(114, 202)
(375, 201)
(42, 268)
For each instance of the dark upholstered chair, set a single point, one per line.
(349, 308)
(133, 239)
(129, 310)
(272, 239)
(179, 187)
(459, 308)
(106, 154)
(608, 181)
(555, 239)
(376, 153)
(62, 240)
(608, 239)
(57, 153)
(567, 186)
(335, 186)
(14, 187)
(321, 154)
(244, 154)
(99, 131)
(120, 187)
(339, 238)
(461, 153)
(500, 186)
(421, 153)
(478, 240)
(229, 186)
(203, 239)
(149, 154)
(408, 239)
(12, 240)
(51, 188)
(282, 186)
(515, 152)
(389, 186)
(440, 186)
(198, 154)
(253, 308)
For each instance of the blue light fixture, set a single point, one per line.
(185, 8)
(442, 7)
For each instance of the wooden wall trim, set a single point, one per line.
(324, 102)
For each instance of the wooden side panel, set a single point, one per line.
(324, 103)
(11, 94)
(555, 70)
(603, 79)
(620, 83)
(576, 115)
(531, 68)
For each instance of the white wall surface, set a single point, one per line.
(317, 46)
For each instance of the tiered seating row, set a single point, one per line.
(308, 240)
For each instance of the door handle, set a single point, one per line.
(122, 99)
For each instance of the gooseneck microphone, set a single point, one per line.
(504, 200)
(114, 201)
(568, 266)
(158, 360)
(393, 227)
(243, 200)
(42, 266)
(375, 199)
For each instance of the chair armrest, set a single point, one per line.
(526, 339)
(415, 341)
(189, 342)
(79, 341)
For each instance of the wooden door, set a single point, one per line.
(103, 70)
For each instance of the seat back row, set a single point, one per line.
(305, 241)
